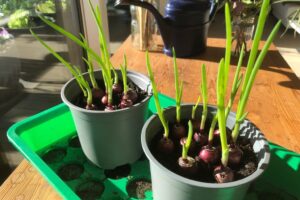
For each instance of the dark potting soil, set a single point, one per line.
(137, 188)
(54, 155)
(70, 171)
(119, 172)
(80, 100)
(90, 190)
(247, 166)
(74, 142)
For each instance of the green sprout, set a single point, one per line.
(89, 63)
(237, 80)
(253, 66)
(107, 66)
(124, 75)
(75, 71)
(187, 144)
(156, 100)
(116, 78)
(103, 60)
(178, 89)
(228, 41)
(235, 86)
(194, 108)
(221, 91)
(257, 37)
(226, 70)
(241, 114)
(204, 97)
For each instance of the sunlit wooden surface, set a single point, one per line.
(274, 104)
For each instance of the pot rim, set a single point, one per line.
(132, 73)
(194, 183)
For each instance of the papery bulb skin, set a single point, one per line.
(187, 166)
(193, 145)
(104, 100)
(117, 88)
(235, 155)
(132, 95)
(200, 138)
(90, 107)
(165, 146)
(178, 131)
(223, 174)
(97, 93)
(109, 108)
(209, 154)
(125, 102)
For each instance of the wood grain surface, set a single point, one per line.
(25, 183)
(274, 103)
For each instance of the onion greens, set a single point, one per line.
(237, 77)
(228, 41)
(89, 63)
(178, 89)
(257, 37)
(187, 144)
(240, 115)
(75, 71)
(221, 91)
(156, 100)
(204, 97)
(103, 60)
(124, 74)
(194, 108)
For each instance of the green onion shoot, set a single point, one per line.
(165, 145)
(253, 65)
(235, 86)
(75, 71)
(221, 90)
(194, 108)
(187, 164)
(124, 75)
(178, 130)
(156, 99)
(103, 60)
(241, 114)
(178, 88)
(187, 144)
(204, 98)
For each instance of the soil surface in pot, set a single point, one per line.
(246, 167)
(80, 100)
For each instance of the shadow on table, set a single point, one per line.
(273, 62)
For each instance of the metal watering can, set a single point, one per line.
(184, 26)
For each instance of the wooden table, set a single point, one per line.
(274, 104)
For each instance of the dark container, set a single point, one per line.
(185, 25)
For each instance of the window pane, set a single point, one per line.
(30, 77)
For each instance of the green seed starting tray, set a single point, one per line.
(49, 141)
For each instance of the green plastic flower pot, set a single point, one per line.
(169, 185)
(109, 139)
